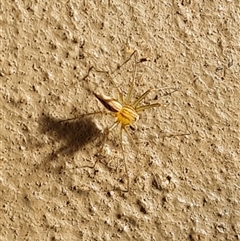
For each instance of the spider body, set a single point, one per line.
(125, 114)
(124, 110)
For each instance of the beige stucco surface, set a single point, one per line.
(181, 187)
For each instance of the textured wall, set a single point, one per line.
(181, 187)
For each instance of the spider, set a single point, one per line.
(125, 111)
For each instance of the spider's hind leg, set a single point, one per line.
(84, 116)
(106, 133)
(124, 159)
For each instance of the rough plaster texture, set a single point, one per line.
(181, 187)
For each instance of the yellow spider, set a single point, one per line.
(126, 112)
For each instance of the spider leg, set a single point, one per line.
(119, 66)
(85, 115)
(109, 73)
(180, 134)
(124, 160)
(105, 135)
(134, 73)
(136, 103)
(145, 107)
(130, 91)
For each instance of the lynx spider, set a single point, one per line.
(126, 113)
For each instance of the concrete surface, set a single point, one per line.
(181, 187)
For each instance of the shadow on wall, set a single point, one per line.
(74, 134)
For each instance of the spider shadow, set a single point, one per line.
(72, 135)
